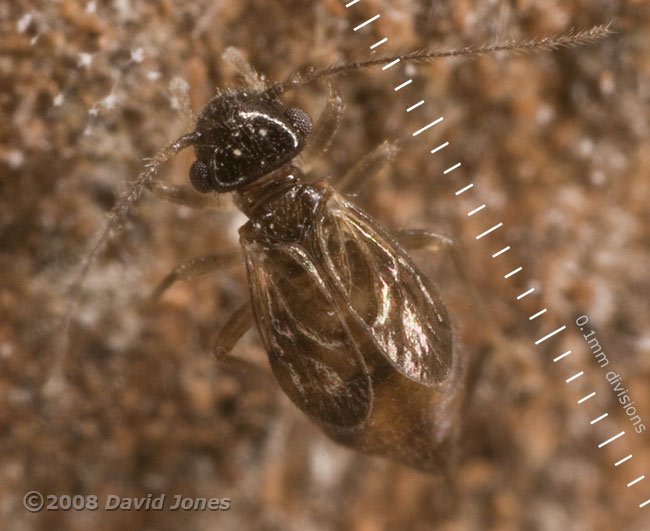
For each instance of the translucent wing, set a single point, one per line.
(385, 291)
(310, 347)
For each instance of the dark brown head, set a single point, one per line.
(243, 134)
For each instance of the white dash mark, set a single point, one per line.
(641, 506)
(392, 63)
(561, 356)
(577, 375)
(415, 106)
(364, 24)
(605, 443)
(399, 87)
(513, 272)
(462, 189)
(585, 398)
(507, 248)
(550, 335)
(635, 481)
(379, 43)
(428, 126)
(435, 150)
(537, 314)
(452, 168)
(351, 3)
(623, 460)
(477, 209)
(498, 225)
(525, 293)
(599, 418)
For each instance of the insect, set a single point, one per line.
(356, 335)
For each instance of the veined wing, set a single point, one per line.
(385, 291)
(310, 348)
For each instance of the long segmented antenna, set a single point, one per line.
(570, 38)
(117, 217)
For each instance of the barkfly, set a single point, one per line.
(357, 337)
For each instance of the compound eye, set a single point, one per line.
(299, 120)
(200, 177)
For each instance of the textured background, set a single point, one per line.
(557, 146)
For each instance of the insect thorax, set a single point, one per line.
(281, 208)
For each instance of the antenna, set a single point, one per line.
(573, 37)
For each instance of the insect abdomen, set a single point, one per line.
(328, 343)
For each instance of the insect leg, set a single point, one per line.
(236, 58)
(231, 332)
(182, 195)
(326, 125)
(417, 240)
(180, 91)
(367, 166)
(196, 267)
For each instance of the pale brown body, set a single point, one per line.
(356, 336)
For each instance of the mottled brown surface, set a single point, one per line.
(557, 146)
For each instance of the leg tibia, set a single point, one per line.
(198, 266)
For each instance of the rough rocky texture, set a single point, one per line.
(557, 146)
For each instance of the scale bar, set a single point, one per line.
(525, 293)
(477, 209)
(562, 356)
(489, 231)
(537, 314)
(513, 272)
(611, 439)
(457, 165)
(585, 398)
(428, 126)
(435, 150)
(550, 335)
(623, 460)
(392, 63)
(364, 24)
(507, 248)
(407, 82)
(576, 375)
(635, 481)
(599, 418)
